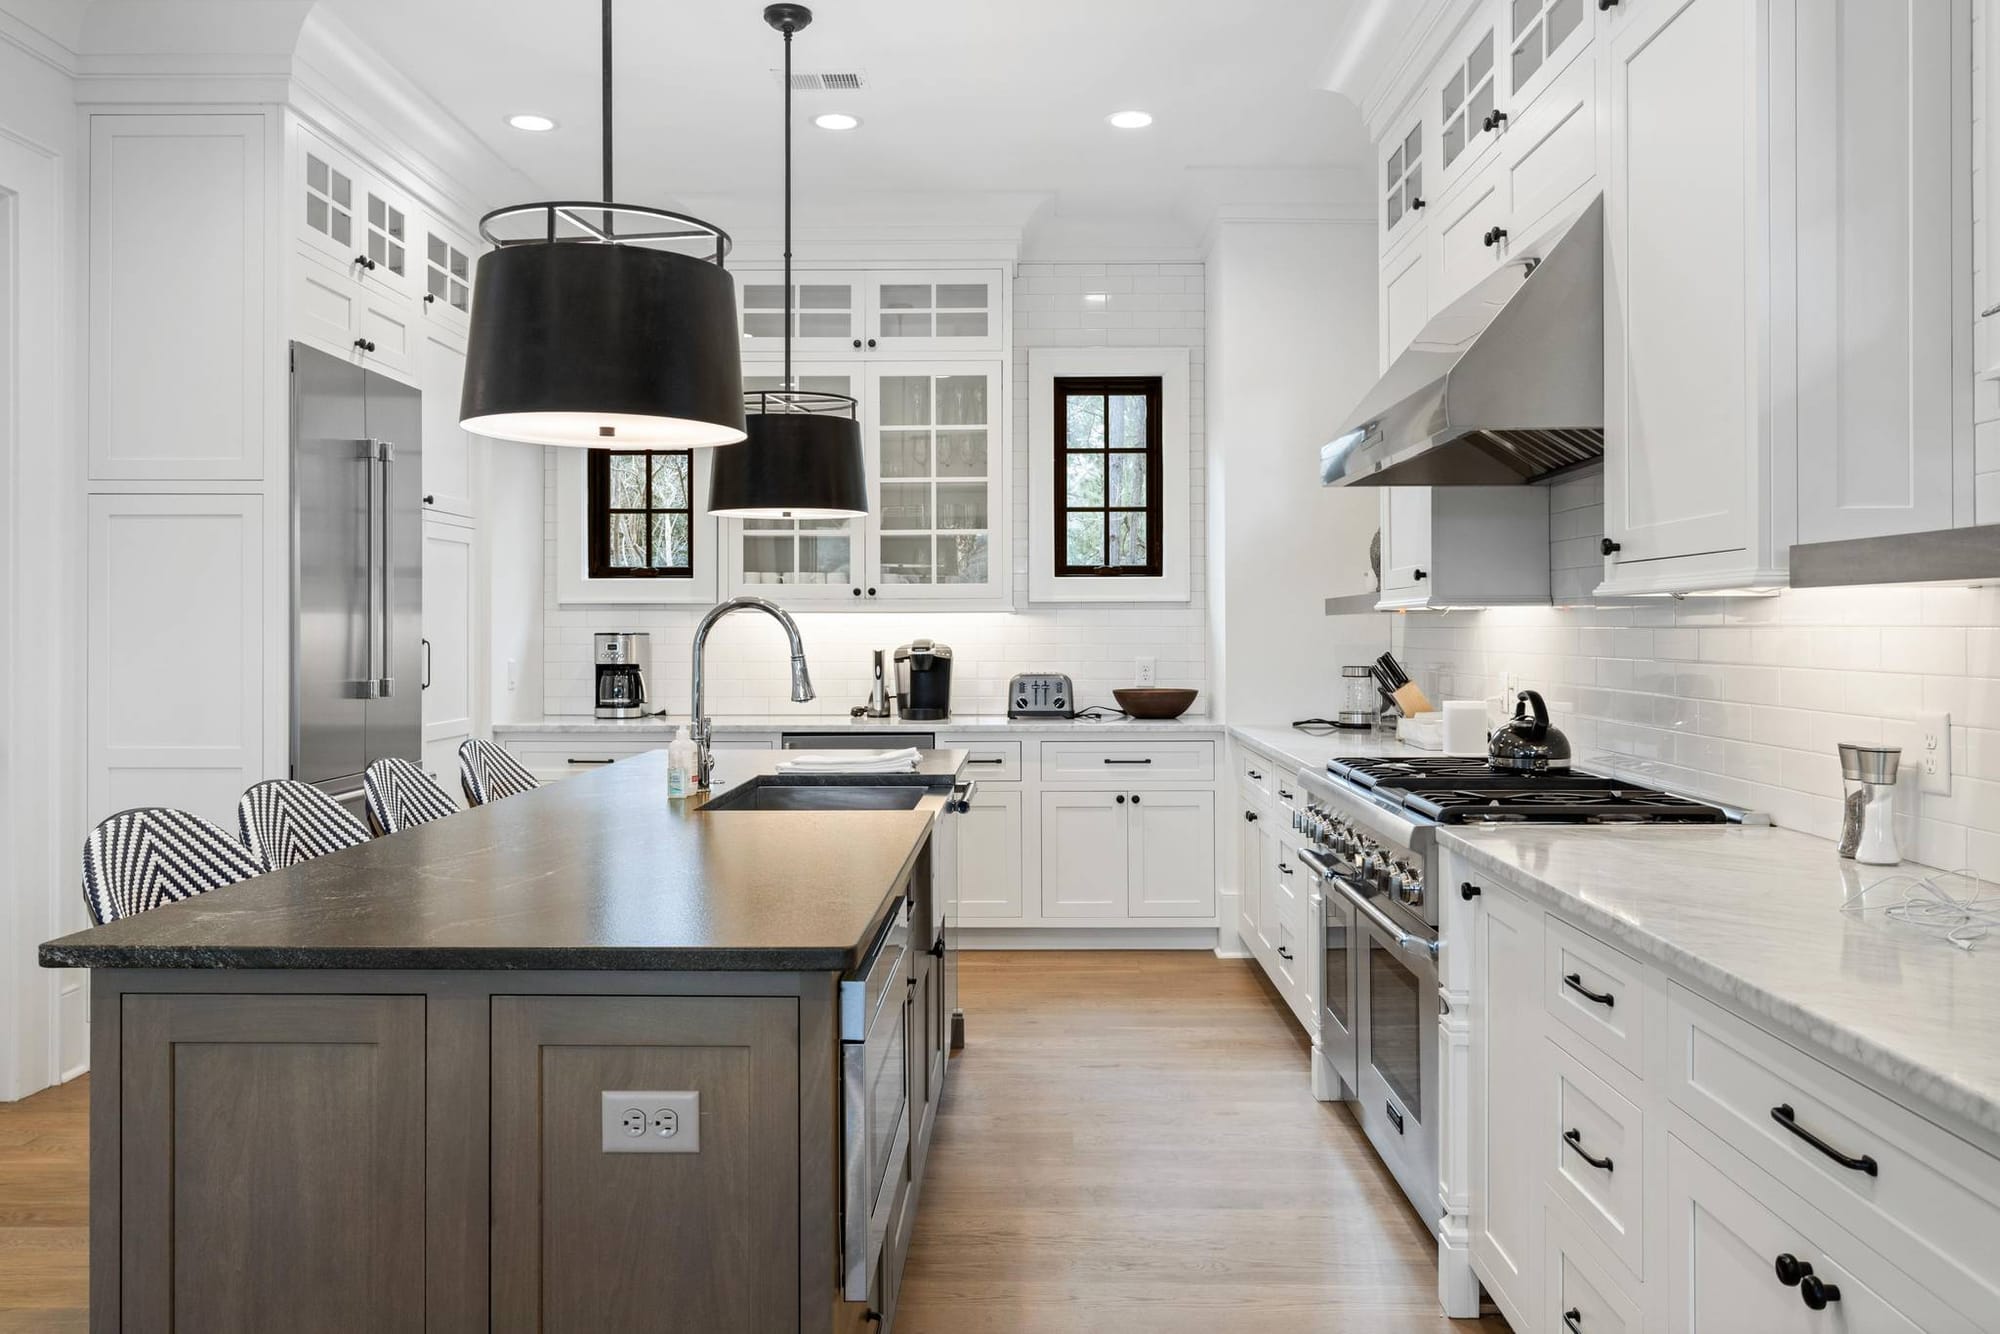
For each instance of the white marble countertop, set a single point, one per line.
(1303, 750)
(664, 727)
(1754, 914)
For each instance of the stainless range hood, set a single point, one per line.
(1504, 386)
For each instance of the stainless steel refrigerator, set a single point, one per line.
(357, 572)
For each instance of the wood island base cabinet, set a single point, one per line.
(325, 1152)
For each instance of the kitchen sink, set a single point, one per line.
(764, 794)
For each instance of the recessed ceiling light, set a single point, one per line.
(532, 123)
(1130, 120)
(836, 120)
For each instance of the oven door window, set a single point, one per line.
(1395, 1026)
(1339, 949)
(888, 1091)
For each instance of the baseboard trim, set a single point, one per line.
(1086, 938)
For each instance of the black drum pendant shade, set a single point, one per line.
(603, 325)
(796, 464)
(603, 346)
(803, 457)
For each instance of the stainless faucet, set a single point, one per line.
(802, 686)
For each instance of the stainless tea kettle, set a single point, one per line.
(1528, 745)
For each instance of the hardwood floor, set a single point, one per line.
(1130, 1143)
(44, 1175)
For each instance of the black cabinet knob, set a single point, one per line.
(1610, 548)
(364, 345)
(1250, 817)
(1604, 6)
(871, 342)
(1791, 1269)
(1494, 237)
(1121, 798)
(1417, 204)
(1468, 891)
(1816, 1294)
(857, 342)
(857, 592)
(1422, 574)
(871, 592)
(430, 298)
(430, 500)
(364, 262)
(1135, 798)
(1494, 120)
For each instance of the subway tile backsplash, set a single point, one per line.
(1742, 700)
(1055, 305)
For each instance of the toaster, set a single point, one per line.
(1041, 695)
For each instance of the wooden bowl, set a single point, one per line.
(1155, 701)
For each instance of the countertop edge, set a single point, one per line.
(558, 959)
(1796, 1019)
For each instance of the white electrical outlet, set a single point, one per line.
(513, 674)
(650, 1122)
(1933, 758)
(1145, 671)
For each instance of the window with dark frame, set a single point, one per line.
(641, 508)
(1107, 477)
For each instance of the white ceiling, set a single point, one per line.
(972, 106)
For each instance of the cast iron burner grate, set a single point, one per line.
(1608, 805)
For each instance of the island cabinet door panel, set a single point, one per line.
(1085, 868)
(273, 1164)
(584, 1240)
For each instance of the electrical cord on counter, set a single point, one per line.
(1318, 726)
(1927, 905)
(1098, 713)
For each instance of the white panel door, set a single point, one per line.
(1406, 542)
(1682, 350)
(1085, 858)
(176, 652)
(1723, 1247)
(447, 447)
(1403, 171)
(1881, 360)
(989, 856)
(1469, 235)
(450, 628)
(1173, 854)
(183, 353)
(1509, 1074)
(1406, 299)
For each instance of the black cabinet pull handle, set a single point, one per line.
(1791, 1269)
(1250, 817)
(574, 760)
(1574, 1138)
(1468, 891)
(1284, 795)
(1421, 574)
(1574, 981)
(1284, 869)
(1817, 1294)
(364, 345)
(426, 684)
(976, 760)
(1786, 1117)
(1494, 120)
(1145, 761)
(937, 948)
(1284, 952)
(1610, 548)
(1121, 798)
(1254, 775)
(1395, 1117)
(1573, 1320)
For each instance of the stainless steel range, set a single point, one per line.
(1369, 826)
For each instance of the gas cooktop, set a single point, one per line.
(1466, 790)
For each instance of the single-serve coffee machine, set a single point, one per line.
(923, 681)
(622, 658)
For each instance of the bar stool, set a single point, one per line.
(284, 822)
(400, 795)
(142, 858)
(488, 773)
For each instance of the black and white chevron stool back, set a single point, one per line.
(142, 858)
(284, 822)
(488, 773)
(400, 795)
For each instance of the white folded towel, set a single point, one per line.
(853, 762)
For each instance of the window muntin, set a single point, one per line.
(1107, 478)
(641, 508)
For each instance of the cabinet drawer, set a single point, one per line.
(989, 761)
(1581, 1296)
(1931, 1206)
(566, 756)
(1255, 773)
(1127, 761)
(1596, 991)
(1597, 1162)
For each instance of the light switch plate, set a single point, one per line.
(653, 1122)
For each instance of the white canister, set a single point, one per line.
(1465, 727)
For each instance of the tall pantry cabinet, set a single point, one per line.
(216, 238)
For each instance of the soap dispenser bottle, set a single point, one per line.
(682, 758)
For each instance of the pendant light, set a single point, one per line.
(803, 456)
(603, 325)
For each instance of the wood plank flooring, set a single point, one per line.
(44, 1204)
(1130, 1143)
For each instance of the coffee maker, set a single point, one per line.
(622, 658)
(923, 681)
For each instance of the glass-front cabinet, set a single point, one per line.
(932, 436)
(877, 313)
(1539, 41)
(1470, 118)
(829, 311)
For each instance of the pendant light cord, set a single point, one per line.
(608, 196)
(788, 205)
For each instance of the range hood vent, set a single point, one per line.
(1505, 386)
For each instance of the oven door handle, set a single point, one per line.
(1406, 941)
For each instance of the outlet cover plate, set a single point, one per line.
(650, 1122)
(1145, 671)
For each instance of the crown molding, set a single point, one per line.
(1386, 46)
(35, 42)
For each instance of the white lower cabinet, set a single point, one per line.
(1581, 1297)
(1128, 854)
(1172, 858)
(989, 856)
(1085, 860)
(1253, 854)
(450, 631)
(1512, 1141)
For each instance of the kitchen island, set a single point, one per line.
(572, 1060)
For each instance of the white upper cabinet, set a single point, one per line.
(800, 561)
(936, 466)
(878, 313)
(327, 197)
(1784, 357)
(1467, 90)
(1403, 171)
(1464, 546)
(447, 276)
(1542, 36)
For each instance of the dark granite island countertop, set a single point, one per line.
(601, 871)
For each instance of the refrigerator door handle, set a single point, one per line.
(369, 686)
(386, 684)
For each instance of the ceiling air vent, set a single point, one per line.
(822, 82)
